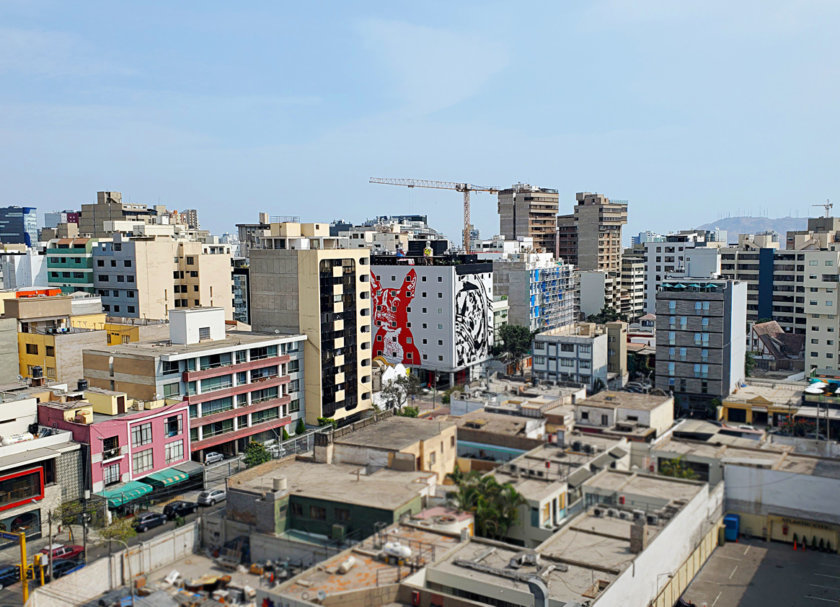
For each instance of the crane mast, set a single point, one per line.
(465, 188)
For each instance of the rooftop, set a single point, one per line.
(777, 393)
(344, 483)
(395, 433)
(627, 400)
(368, 570)
(495, 423)
(167, 348)
(661, 487)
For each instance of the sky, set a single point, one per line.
(690, 111)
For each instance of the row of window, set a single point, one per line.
(33, 349)
(141, 434)
(119, 277)
(118, 308)
(100, 263)
(143, 461)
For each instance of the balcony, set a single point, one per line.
(226, 369)
(113, 453)
(268, 382)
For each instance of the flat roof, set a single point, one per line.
(167, 348)
(345, 483)
(645, 485)
(395, 433)
(778, 393)
(497, 423)
(627, 400)
(813, 466)
(368, 571)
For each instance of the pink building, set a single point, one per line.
(126, 443)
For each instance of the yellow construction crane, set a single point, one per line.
(827, 206)
(466, 188)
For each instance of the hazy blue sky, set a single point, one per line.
(689, 110)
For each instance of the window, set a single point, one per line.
(294, 385)
(705, 322)
(141, 434)
(174, 425)
(131, 310)
(296, 509)
(120, 278)
(671, 368)
(294, 406)
(142, 461)
(127, 263)
(585, 349)
(567, 347)
(113, 263)
(813, 262)
(584, 414)
(317, 513)
(432, 458)
(32, 348)
(174, 451)
(172, 390)
(100, 263)
(293, 366)
(111, 474)
(204, 333)
(190, 261)
(342, 515)
(169, 367)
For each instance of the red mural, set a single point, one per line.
(393, 338)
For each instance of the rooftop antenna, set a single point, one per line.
(827, 206)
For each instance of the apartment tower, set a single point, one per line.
(526, 210)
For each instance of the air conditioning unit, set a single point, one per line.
(638, 515)
(597, 512)
(652, 519)
(624, 516)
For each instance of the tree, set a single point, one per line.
(327, 421)
(121, 530)
(515, 343)
(749, 364)
(409, 412)
(607, 314)
(397, 391)
(285, 434)
(256, 454)
(300, 428)
(676, 468)
(495, 506)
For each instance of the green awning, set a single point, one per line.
(164, 478)
(125, 493)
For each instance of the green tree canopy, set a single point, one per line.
(495, 506)
(398, 390)
(300, 428)
(676, 468)
(256, 454)
(515, 343)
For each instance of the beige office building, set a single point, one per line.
(526, 210)
(593, 233)
(110, 207)
(147, 277)
(303, 282)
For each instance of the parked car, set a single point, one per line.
(9, 574)
(62, 552)
(213, 457)
(62, 568)
(209, 498)
(147, 521)
(179, 508)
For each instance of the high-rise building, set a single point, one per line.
(632, 285)
(18, 225)
(303, 282)
(240, 386)
(526, 210)
(191, 216)
(241, 290)
(593, 232)
(147, 277)
(700, 339)
(822, 309)
(541, 290)
(435, 315)
(53, 218)
(598, 289)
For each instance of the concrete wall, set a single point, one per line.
(761, 491)
(8, 348)
(109, 573)
(68, 353)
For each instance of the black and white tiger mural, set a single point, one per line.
(473, 318)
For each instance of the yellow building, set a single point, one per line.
(761, 404)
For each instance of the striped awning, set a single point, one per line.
(165, 478)
(125, 493)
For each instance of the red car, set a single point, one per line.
(61, 552)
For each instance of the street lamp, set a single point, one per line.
(128, 561)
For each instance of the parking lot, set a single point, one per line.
(753, 573)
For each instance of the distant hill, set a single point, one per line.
(751, 225)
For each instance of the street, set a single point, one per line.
(12, 595)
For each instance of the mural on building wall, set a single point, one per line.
(393, 338)
(473, 318)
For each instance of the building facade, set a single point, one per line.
(526, 210)
(591, 237)
(70, 264)
(700, 339)
(541, 290)
(19, 225)
(302, 282)
(22, 269)
(148, 277)
(437, 316)
(239, 386)
(575, 354)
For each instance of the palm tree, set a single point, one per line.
(676, 468)
(495, 506)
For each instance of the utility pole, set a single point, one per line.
(50, 545)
